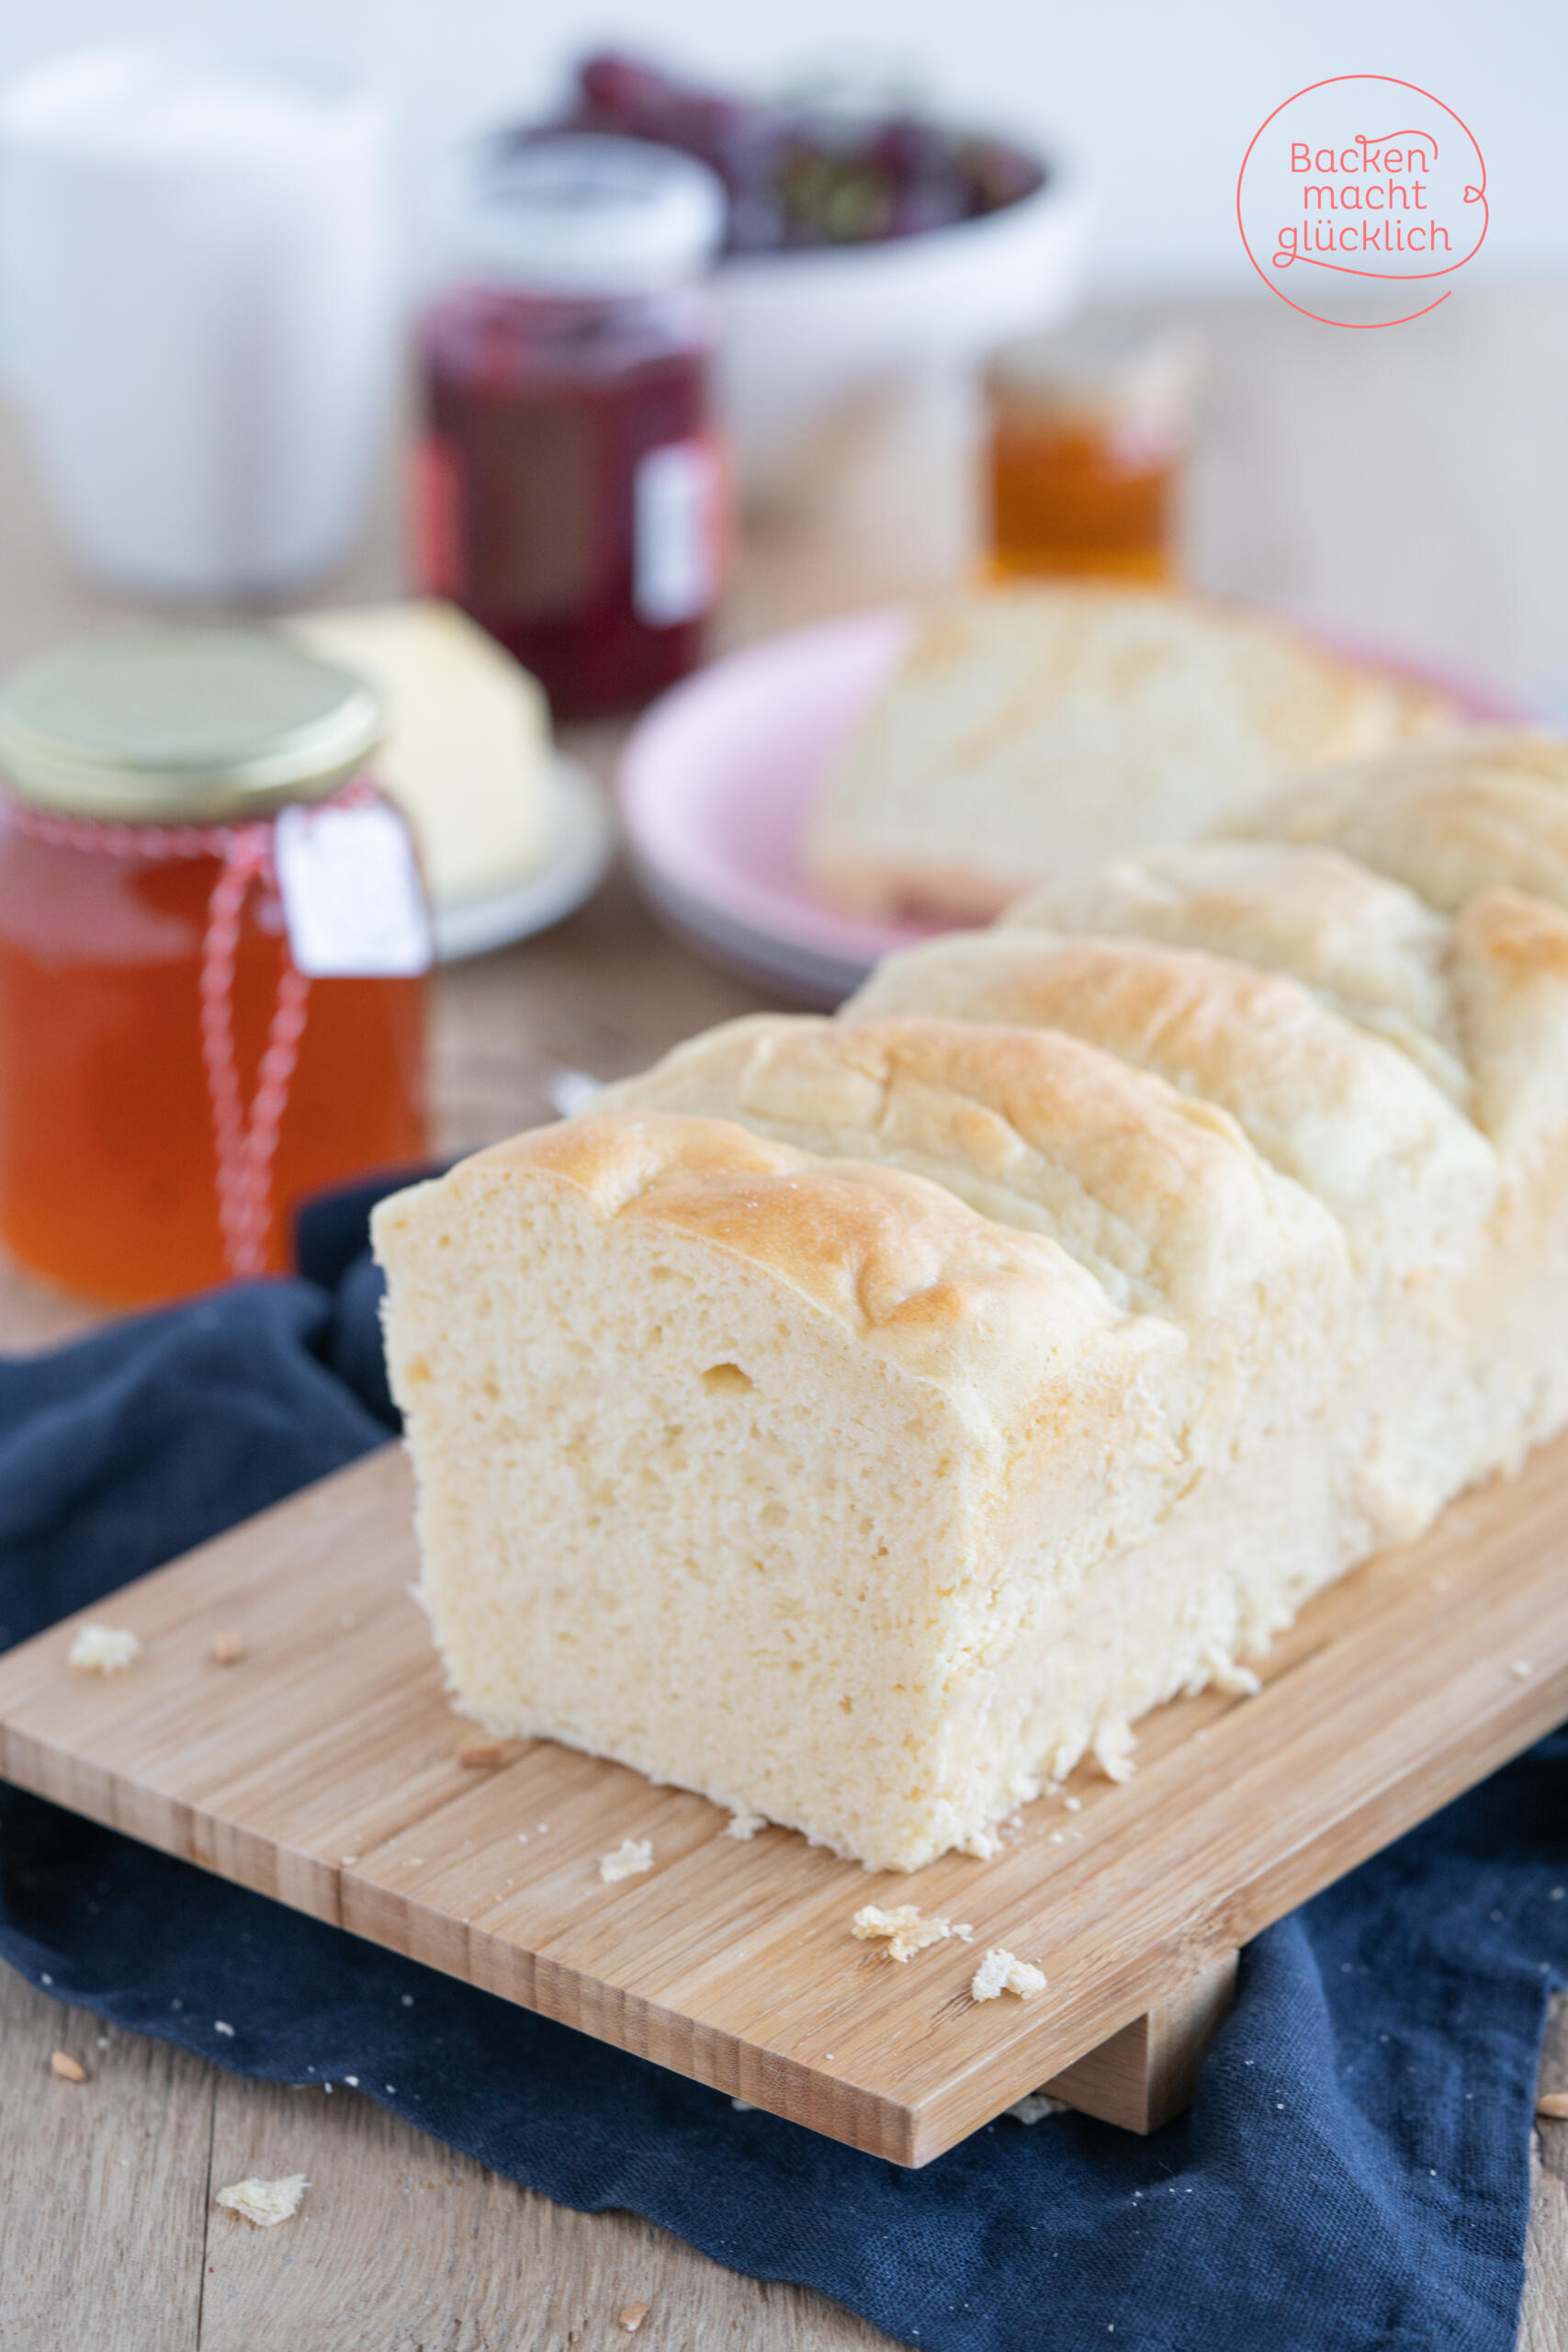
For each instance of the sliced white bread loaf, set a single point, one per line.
(1032, 731)
(749, 1468)
(858, 1420)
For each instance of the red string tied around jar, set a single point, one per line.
(244, 1141)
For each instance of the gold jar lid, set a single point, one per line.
(183, 726)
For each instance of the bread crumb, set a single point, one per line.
(633, 2316)
(219, 2026)
(906, 1928)
(102, 1649)
(265, 2202)
(226, 1649)
(1074, 1805)
(69, 2069)
(743, 1823)
(999, 1973)
(1522, 1668)
(631, 1854)
(1034, 2105)
(1554, 2106)
(742, 2106)
(983, 1844)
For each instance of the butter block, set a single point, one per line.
(466, 758)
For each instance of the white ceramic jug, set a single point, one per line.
(196, 313)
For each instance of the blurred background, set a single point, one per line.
(528, 365)
(1159, 100)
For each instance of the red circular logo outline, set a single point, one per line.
(1364, 326)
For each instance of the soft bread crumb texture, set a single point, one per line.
(834, 1416)
(999, 1973)
(904, 1930)
(744, 1825)
(862, 1421)
(264, 2203)
(102, 1649)
(631, 1857)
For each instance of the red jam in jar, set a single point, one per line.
(570, 495)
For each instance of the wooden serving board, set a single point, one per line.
(322, 1769)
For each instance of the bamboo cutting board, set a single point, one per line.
(321, 1768)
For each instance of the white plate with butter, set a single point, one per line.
(581, 843)
(511, 836)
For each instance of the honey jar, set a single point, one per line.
(1088, 431)
(212, 948)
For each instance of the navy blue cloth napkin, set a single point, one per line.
(1354, 2172)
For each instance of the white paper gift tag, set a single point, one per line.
(675, 518)
(351, 892)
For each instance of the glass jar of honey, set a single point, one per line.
(1088, 431)
(212, 944)
(569, 493)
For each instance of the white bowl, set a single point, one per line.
(803, 333)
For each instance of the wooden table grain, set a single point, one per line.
(1410, 484)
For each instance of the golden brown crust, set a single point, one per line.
(1346, 1114)
(1477, 811)
(1034, 1127)
(1368, 948)
(1313, 914)
(1509, 973)
(892, 1257)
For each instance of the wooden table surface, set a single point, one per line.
(1411, 484)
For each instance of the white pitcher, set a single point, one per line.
(196, 313)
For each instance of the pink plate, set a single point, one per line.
(717, 781)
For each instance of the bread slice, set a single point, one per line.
(1161, 1199)
(1478, 1002)
(1349, 1116)
(1033, 732)
(773, 1475)
(1367, 948)
(1487, 810)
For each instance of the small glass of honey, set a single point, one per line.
(1088, 431)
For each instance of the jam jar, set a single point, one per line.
(569, 493)
(212, 947)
